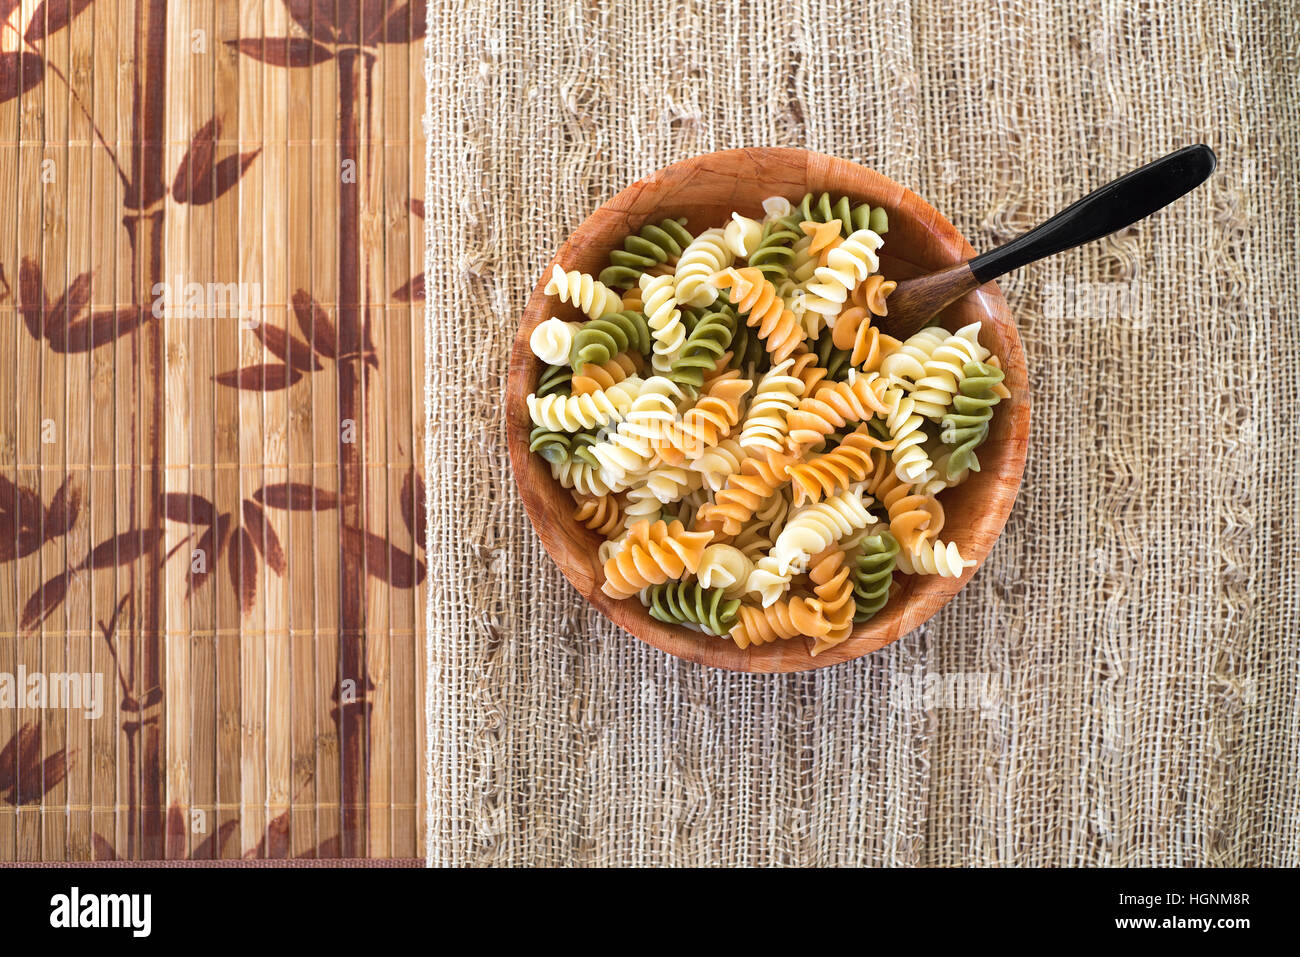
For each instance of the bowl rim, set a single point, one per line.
(561, 537)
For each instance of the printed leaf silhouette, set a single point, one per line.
(197, 181)
(264, 537)
(46, 598)
(96, 330)
(275, 842)
(315, 324)
(197, 161)
(103, 850)
(24, 777)
(243, 570)
(283, 51)
(260, 378)
(316, 17)
(31, 297)
(188, 507)
(384, 561)
(412, 502)
(408, 22)
(123, 548)
(60, 323)
(417, 207)
(52, 16)
(19, 72)
(61, 516)
(413, 291)
(21, 518)
(291, 349)
(296, 497)
(210, 848)
(211, 543)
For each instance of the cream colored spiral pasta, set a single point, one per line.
(665, 320)
(767, 422)
(669, 483)
(706, 255)
(742, 234)
(776, 207)
(910, 459)
(552, 340)
(579, 476)
(570, 413)
(586, 292)
(906, 364)
(632, 447)
(768, 581)
(819, 526)
(933, 558)
(641, 505)
(847, 264)
(934, 390)
(725, 567)
(719, 463)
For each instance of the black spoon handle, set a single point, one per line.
(1112, 207)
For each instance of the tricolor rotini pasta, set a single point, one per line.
(763, 465)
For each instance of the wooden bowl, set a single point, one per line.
(706, 189)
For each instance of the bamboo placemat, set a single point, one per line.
(211, 314)
(1117, 684)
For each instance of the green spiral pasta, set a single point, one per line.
(601, 339)
(681, 602)
(550, 445)
(656, 243)
(561, 447)
(581, 449)
(747, 350)
(555, 380)
(822, 210)
(873, 574)
(966, 426)
(708, 340)
(775, 251)
(834, 361)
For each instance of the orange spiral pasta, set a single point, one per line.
(652, 554)
(834, 471)
(781, 621)
(806, 369)
(913, 516)
(822, 238)
(601, 514)
(710, 419)
(737, 501)
(869, 346)
(835, 404)
(833, 586)
(756, 298)
(594, 377)
(871, 293)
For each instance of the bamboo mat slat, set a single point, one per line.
(241, 562)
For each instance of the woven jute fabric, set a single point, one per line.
(1118, 684)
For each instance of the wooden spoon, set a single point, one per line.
(1112, 207)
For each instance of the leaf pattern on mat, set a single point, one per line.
(52, 16)
(63, 324)
(198, 181)
(296, 497)
(283, 51)
(26, 777)
(19, 72)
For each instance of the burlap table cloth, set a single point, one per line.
(1118, 684)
